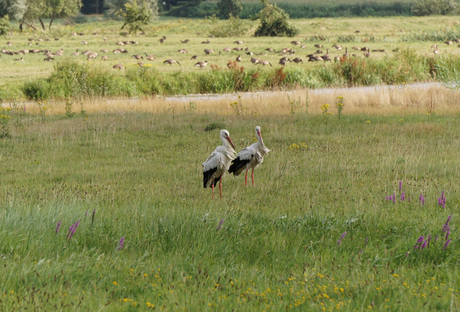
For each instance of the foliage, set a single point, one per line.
(301, 10)
(433, 7)
(27, 11)
(115, 8)
(274, 22)
(229, 8)
(135, 17)
(233, 27)
(447, 69)
(74, 80)
(4, 25)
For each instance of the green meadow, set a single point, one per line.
(102, 205)
(317, 232)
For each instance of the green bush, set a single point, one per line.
(71, 79)
(274, 22)
(4, 25)
(232, 28)
(433, 7)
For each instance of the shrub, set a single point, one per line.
(71, 79)
(229, 8)
(231, 28)
(274, 22)
(80, 19)
(4, 25)
(433, 7)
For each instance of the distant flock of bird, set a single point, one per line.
(224, 158)
(286, 53)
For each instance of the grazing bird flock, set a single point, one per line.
(224, 159)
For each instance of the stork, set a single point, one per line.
(249, 158)
(218, 162)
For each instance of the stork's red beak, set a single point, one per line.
(230, 141)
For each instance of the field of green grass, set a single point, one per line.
(413, 34)
(317, 232)
(102, 205)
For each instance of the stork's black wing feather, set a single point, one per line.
(207, 176)
(238, 164)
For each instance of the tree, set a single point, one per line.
(115, 8)
(229, 8)
(274, 22)
(135, 16)
(59, 9)
(433, 7)
(26, 11)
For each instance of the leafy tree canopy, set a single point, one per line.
(27, 11)
(135, 16)
(115, 8)
(229, 8)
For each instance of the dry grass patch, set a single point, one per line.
(369, 100)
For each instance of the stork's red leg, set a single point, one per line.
(252, 176)
(220, 186)
(246, 178)
(212, 187)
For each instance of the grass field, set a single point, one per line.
(102, 205)
(317, 232)
(415, 34)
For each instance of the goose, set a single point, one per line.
(201, 64)
(150, 57)
(170, 62)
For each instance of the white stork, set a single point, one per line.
(218, 162)
(250, 157)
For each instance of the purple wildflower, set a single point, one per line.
(394, 198)
(446, 227)
(220, 224)
(72, 230)
(403, 196)
(426, 243)
(367, 240)
(58, 226)
(446, 244)
(121, 243)
(442, 201)
(341, 237)
(400, 185)
(419, 243)
(421, 199)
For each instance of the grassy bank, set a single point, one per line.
(74, 80)
(318, 230)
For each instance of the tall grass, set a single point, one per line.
(448, 33)
(273, 247)
(448, 70)
(72, 79)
